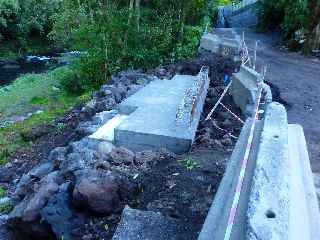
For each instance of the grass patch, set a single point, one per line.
(30, 88)
(39, 101)
(27, 94)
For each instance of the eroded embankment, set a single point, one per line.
(73, 187)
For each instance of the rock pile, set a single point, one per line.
(86, 177)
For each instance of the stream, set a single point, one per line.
(12, 69)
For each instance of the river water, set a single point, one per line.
(10, 70)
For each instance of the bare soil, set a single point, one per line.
(180, 187)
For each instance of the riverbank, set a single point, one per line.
(30, 100)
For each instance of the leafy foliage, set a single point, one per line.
(117, 36)
(297, 18)
(20, 18)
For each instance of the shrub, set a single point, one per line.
(71, 82)
(298, 20)
(117, 37)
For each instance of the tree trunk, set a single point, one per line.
(138, 13)
(131, 4)
(130, 11)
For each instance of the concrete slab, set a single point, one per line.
(223, 41)
(106, 131)
(145, 225)
(164, 114)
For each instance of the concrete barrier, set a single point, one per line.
(269, 201)
(217, 219)
(244, 89)
(278, 199)
(304, 209)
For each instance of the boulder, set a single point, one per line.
(117, 91)
(145, 225)
(79, 160)
(37, 132)
(226, 140)
(97, 191)
(122, 155)
(105, 104)
(83, 145)
(25, 217)
(86, 128)
(129, 77)
(24, 186)
(65, 222)
(57, 156)
(47, 187)
(42, 170)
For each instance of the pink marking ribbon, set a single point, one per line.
(236, 198)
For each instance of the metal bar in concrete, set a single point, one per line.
(221, 97)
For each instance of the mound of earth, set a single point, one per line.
(72, 187)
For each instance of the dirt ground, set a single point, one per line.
(180, 187)
(298, 79)
(183, 187)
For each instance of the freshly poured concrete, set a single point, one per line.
(152, 121)
(106, 132)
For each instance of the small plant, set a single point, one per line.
(85, 97)
(190, 163)
(2, 191)
(5, 207)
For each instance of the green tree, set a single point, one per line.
(126, 34)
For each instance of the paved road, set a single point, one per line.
(298, 78)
